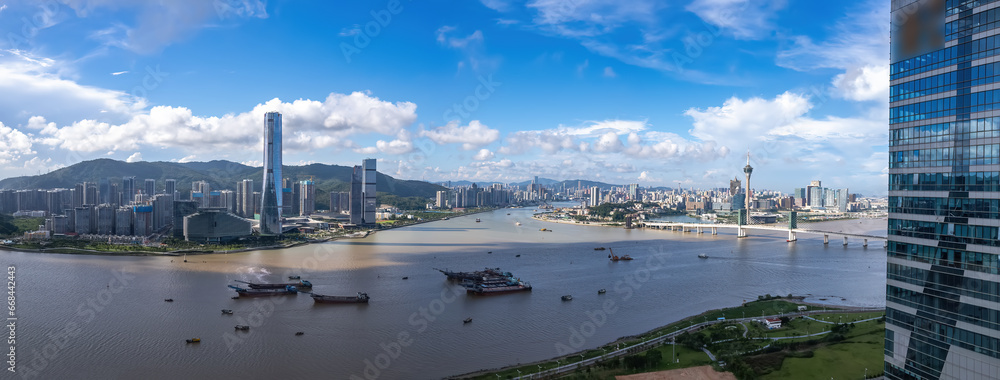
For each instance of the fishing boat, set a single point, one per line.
(227, 311)
(168, 300)
(599, 249)
(242, 327)
(299, 333)
(244, 292)
(467, 320)
(360, 298)
(194, 340)
(567, 298)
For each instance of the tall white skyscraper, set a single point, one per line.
(270, 210)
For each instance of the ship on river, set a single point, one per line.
(486, 273)
(360, 298)
(508, 285)
(244, 292)
(299, 285)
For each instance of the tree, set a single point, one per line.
(654, 357)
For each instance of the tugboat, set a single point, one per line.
(360, 298)
(194, 340)
(567, 298)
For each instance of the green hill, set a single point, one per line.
(219, 174)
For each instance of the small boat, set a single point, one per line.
(545, 230)
(489, 253)
(406, 278)
(236, 297)
(446, 218)
(243, 327)
(194, 340)
(599, 249)
(614, 257)
(467, 320)
(294, 277)
(518, 256)
(477, 220)
(508, 213)
(227, 311)
(702, 256)
(602, 291)
(168, 300)
(517, 223)
(288, 290)
(299, 333)
(567, 298)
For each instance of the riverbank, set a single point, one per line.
(635, 344)
(199, 251)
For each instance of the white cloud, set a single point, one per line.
(117, 73)
(471, 46)
(870, 82)
(581, 67)
(253, 163)
(187, 159)
(745, 19)
(609, 72)
(859, 45)
(42, 89)
(2, 7)
(308, 124)
(135, 157)
(497, 5)
(483, 155)
(352, 31)
(14, 144)
(394, 146)
(161, 23)
(472, 136)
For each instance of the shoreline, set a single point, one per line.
(798, 300)
(198, 252)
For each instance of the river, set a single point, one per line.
(98, 317)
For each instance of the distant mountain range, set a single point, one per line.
(219, 174)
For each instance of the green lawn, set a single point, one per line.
(862, 348)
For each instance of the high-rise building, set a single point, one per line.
(244, 199)
(128, 191)
(943, 272)
(748, 170)
(90, 193)
(170, 188)
(307, 197)
(356, 196)
(442, 199)
(123, 221)
(270, 209)
(104, 191)
(105, 219)
(150, 187)
(370, 203)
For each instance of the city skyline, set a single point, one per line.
(586, 107)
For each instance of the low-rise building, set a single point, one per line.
(772, 323)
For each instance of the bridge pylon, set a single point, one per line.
(791, 236)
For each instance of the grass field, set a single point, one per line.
(847, 359)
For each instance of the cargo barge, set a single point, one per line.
(299, 285)
(360, 298)
(244, 292)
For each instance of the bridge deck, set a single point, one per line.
(762, 227)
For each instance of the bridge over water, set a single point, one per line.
(743, 230)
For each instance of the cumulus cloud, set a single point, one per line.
(483, 155)
(869, 82)
(308, 124)
(14, 144)
(609, 72)
(472, 136)
(135, 157)
(184, 159)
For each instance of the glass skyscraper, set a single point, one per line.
(270, 210)
(943, 285)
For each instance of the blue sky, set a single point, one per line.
(652, 92)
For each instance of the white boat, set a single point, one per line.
(517, 223)
(702, 255)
